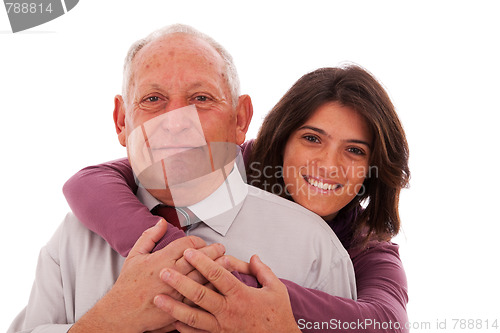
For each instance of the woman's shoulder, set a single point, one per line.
(246, 151)
(375, 248)
(378, 259)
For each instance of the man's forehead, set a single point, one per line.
(179, 52)
(180, 45)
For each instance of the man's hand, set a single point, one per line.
(128, 306)
(232, 264)
(238, 308)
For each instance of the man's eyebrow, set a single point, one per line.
(203, 85)
(197, 84)
(147, 85)
(323, 132)
(155, 86)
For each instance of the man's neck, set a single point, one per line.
(193, 191)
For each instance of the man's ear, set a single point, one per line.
(244, 113)
(119, 118)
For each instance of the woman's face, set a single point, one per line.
(327, 159)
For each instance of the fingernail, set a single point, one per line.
(188, 253)
(221, 247)
(158, 301)
(165, 275)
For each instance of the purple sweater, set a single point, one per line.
(101, 197)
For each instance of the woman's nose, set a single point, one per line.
(330, 164)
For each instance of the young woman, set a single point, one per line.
(333, 144)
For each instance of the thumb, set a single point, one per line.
(263, 273)
(148, 239)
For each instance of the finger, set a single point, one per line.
(168, 328)
(195, 292)
(232, 264)
(148, 239)
(207, 285)
(225, 282)
(183, 328)
(175, 250)
(212, 251)
(262, 272)
(192, 317)
(197, 277)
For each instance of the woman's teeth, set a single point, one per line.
(321, 185)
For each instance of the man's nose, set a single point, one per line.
(179, 117)
(175, 103)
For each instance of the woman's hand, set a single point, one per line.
(238, 308)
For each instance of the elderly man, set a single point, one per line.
(180, 118)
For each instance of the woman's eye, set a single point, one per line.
(356, 151)
(311, 138)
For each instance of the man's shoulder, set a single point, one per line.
(274, 204)
(262, 196)
(72, 227)
(73, 239)
(293, 216)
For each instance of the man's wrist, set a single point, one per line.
(105, 318)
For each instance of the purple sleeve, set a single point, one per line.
(102, 198)
(381, 304)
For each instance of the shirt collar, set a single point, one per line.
(219, 209)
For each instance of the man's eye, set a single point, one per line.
(201, 98)
(152, 103)
(152, 99)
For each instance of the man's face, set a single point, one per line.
(178, 99)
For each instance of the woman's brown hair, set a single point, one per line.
(354, 87)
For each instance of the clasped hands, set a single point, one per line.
(151, 293)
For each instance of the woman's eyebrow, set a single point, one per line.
(312, 128)
(360, 142)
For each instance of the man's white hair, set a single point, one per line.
(232, 78)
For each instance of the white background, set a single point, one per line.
(439, 60)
